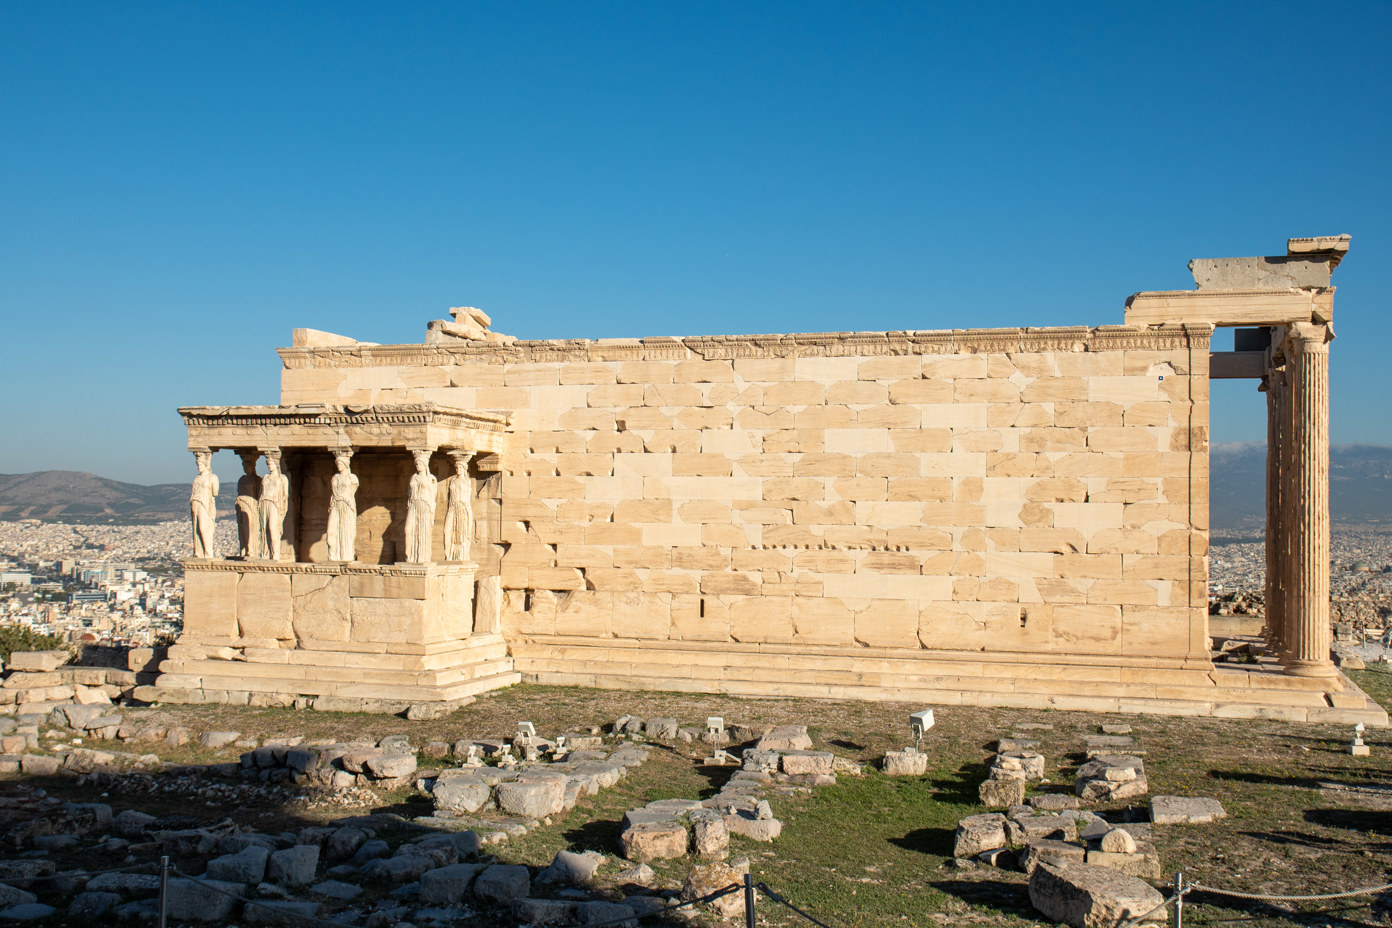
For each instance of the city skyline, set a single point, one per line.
(185, 185)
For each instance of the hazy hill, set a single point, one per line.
(71, 496)
(1360, 484)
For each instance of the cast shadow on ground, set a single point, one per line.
(988, 893)
(935, 841)
(596, 835)
(1372, 821)
(1265, 779)
(961, 787)
(1337, 914)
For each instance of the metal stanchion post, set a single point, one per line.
(1179, 899)
(164, 892)
(748, 900)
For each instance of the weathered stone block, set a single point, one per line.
(1092, 897)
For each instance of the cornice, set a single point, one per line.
(727, 347)
(333, 569)
(321, 416)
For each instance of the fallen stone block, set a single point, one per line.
(755, 829)
(544, 911)
(27, 912)
(126, 885)
(1144, 862)
(977, 833)
(461, 794)
(1111, 778)
(247, 866)
(1182, 810)
(535, 798)
(571, 869)
(785, 738)
(390, 766)
(280, 912)
(293, 866)
(905, 763)
(201, 900)
(1050, 850)
(705, 879)
(13, 895)
(653, 841)
(447, 885)
(90, 906)
(37, 661)
(797, 763)
(710, 837)
(24, 872)
(605, 913)
(1001, 794)
(39, 765)
(402, 869)
(1093, 897)
(502, 884)
(218, 739)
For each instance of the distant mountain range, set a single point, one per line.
(1360, 486)
(71, 496)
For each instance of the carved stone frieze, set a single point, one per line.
(727, 347)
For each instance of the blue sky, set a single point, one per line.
(184, 183)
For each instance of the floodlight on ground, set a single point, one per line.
(920, 722)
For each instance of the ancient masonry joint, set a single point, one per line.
(1013, 517)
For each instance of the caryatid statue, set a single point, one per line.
(420, 510)
(203, 505)
(275, 498)
(343, 510)
(248, 511)
(459, 509)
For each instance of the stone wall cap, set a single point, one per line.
(1319, 244)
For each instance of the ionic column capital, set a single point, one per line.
(1308, 338)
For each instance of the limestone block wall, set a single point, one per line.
(327, 607)
(1039, 491)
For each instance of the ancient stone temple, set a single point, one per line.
(1011, 517)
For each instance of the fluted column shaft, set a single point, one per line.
(1276, 635)
(1307, 366)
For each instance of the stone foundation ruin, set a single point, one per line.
(1013, 517)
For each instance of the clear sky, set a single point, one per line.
(183, 183)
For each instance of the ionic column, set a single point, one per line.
(1274, 386)
(1307, 367)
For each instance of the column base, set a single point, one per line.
(1312, 669)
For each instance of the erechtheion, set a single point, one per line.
(1011, 517)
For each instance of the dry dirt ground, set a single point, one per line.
(1304, 815)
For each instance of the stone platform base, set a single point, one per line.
(947, 678)
(332, 678)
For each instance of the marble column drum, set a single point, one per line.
(1308, 572)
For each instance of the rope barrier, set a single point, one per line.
(732, 888)
(314, 919)
(1265, 897)
(1182, 889)
(1137, 919)
(92, 873)
(764, 888)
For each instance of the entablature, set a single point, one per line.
(416, 425)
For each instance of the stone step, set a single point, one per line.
(1197, 692)
(225, 674)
